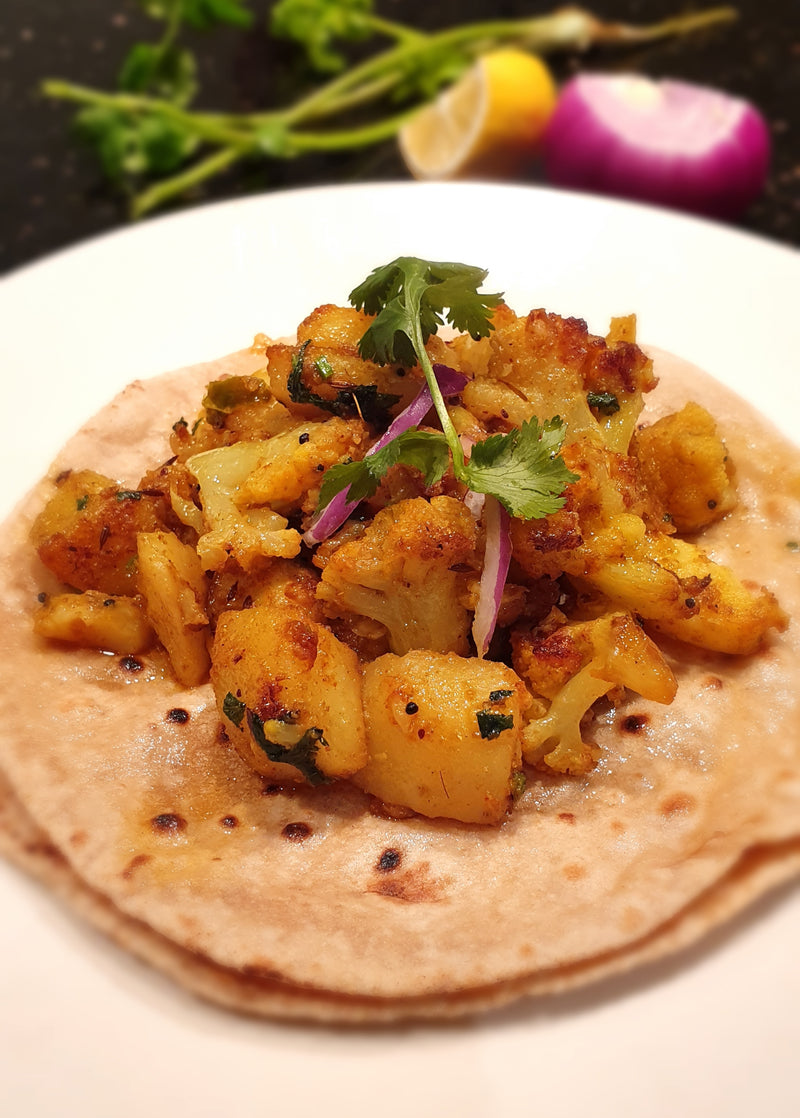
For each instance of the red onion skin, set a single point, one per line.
(582, 152)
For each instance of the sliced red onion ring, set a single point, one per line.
(339, 508)
(670, 143)
(496, 559)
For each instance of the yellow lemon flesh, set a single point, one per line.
(488, 123)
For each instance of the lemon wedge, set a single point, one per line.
(488, 123)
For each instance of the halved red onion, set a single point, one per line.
(669, 142)
(339, 508)
(496, 559)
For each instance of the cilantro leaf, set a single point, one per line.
(491, 724)
(317, 24)
(355, 399)
(522, 469)
(411, 298)
(427, 450)
(302, 755)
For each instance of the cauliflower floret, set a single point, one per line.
(288, 473)
(400, 572)
(685, 465)
(574, 665)
(247, 536)
(545, 365)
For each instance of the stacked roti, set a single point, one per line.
(119, 791)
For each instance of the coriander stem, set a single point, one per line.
(206, 126)
(301, 142)
(440, 406)
(162, 191)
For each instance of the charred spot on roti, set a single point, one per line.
(296, 832)
(574, 872)
(168, 823)
(681, 803)
(135, 863)
(177, 714)
(389, 860)
(131, 664)
(62, 477)
(229, 822)
(413, 886)
(566, 817)
(634, 723)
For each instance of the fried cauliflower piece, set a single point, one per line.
(234, 408)
(400, 573)
(573, 665)
(545, 365)
(685, 465)
(443, 735)
(245, 536)
(288, 474)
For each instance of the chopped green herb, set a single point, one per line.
(323, 368)
(301, 755)
(233, 708)
(196, 424)
(82, 502)
(491, 724)
(498, 696)
(356, 399)
(129, 495)
(231, 392)
(519, 783)
(604, 402)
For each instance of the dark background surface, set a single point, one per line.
(53, 194)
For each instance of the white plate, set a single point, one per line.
(86, 1031)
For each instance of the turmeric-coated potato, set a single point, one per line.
(285, 686)
(443, 734)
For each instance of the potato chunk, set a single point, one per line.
(443, 734)
(303, 686)
(95, 620)
(174, 587)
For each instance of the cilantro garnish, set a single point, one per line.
(354, 399)
(604, 402)
(410, 298)
(301, 754)
(491, 724)
(233, 708)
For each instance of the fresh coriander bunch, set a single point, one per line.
(152, 141)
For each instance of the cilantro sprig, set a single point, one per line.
(410, 298)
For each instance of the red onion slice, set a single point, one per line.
(496, 559)
(671, 143)
(339, 508)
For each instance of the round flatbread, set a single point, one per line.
(284, 902)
